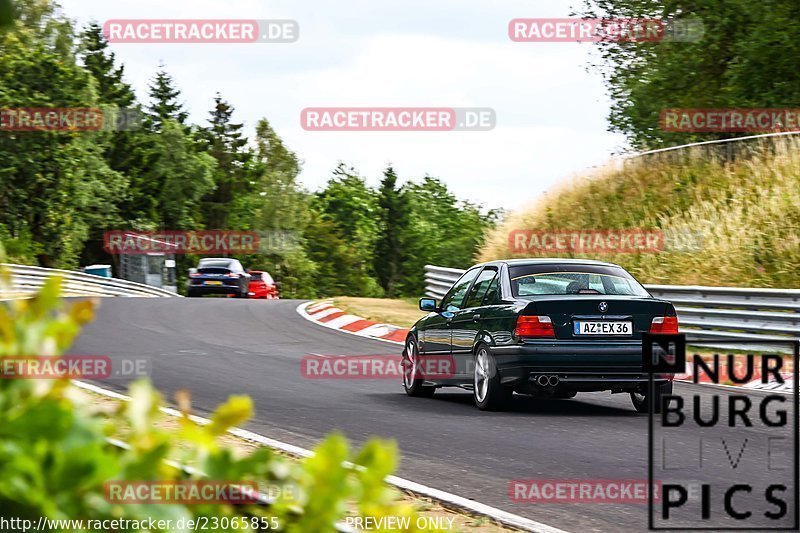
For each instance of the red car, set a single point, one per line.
(262, 286)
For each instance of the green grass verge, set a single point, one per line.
(401, 312)
(740, 214)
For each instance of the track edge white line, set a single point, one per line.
(442, 497)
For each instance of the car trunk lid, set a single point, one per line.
(213, 271)
(565, 310)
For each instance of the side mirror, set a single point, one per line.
(427, 304)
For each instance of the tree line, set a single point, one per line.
(60, 191)
(745, 58)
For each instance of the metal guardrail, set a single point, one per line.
(704, 313)
(27, 280)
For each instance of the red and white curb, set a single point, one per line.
(325, 314)
(446, 499)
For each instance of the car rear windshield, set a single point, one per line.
(214, 264)
(255, 276)
(554, 279)
(212, 270)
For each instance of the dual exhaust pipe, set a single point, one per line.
(545, 380)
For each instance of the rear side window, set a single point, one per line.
(493, 293)
(480, 288)
(454, 299)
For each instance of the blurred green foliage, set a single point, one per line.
(55, 458)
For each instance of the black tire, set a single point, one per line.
(641, 402)
(412, 385)
(192, 294)
(493, 396)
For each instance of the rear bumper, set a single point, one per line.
(214, 289)
(260, 293)
(582, 365)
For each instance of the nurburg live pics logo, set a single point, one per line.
(724, 458)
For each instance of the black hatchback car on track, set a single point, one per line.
(219, 275)
(551, 327)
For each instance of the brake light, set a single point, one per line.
(195, 275)
(534, 326)
(231, 275)
(664, 324)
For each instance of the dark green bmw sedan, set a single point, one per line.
(549, 327)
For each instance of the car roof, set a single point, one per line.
(220, 262)
(548, 261)
(216, 260)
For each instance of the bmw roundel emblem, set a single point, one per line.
(603, 307)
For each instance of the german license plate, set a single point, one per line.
(603, 327)
(213, 283)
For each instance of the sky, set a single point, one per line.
(551, 113)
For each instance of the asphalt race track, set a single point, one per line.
(218, 347)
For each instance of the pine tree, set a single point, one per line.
(101, 62)
(226, 143)
(165, 100)
(393, 224)
(131, 151)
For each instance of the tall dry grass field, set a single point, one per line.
(732, 220)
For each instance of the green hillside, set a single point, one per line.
(741, 209)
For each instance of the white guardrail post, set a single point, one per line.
(26, 280)
(704, 313)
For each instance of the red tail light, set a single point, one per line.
(231, 275)
(534, 326)
(195, 275)
(664, 324)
